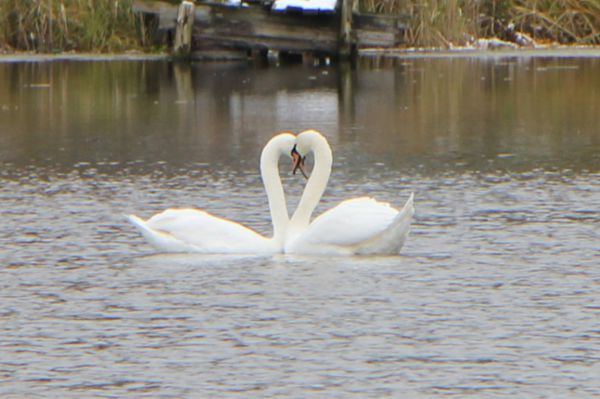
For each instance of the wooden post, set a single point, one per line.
(346, 40)
(346, 98)
(183, 29)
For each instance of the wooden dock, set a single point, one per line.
(208, 30)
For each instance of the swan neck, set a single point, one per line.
(269, 170)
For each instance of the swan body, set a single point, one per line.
(361, 226)
(358, 226)
(193, 230)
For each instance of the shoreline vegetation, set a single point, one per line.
(111, 26)
(56, 26)
(447, 24)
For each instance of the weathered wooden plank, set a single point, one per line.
(219, 53)
(380, 22)
(373, 30)
(367, 38)
(183, 30)
(253, 27)
(346, 19)
(166, 12)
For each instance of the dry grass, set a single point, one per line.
(62, 25)
(564, 21)
(110, 25)
(445, 23)
(442, 23)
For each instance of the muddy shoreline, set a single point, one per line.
(36, 57)
(555, 52)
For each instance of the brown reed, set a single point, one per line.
(445, 23)
(111, 25)
(63, 25)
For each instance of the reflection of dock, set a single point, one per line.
(260, 29)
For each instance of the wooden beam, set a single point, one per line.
(166, 12)
(253, 27)
(183, 30)
(346, 37)
(375, 30)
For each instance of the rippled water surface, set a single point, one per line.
(497, 292)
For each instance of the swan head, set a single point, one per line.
(311, 141)
(281, 144)
(308, 140)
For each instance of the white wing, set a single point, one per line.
(351, 222)
(360, 225)
(191, 230)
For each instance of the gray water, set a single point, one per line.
(496, 293)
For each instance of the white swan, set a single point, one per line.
(356, 226)
(192, 230)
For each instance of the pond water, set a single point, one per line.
(496, 293)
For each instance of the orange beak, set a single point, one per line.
(298, 163)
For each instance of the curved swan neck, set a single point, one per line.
(315, 187)
(269, 170)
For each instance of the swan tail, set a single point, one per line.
(402, 223)
(391, 240)
(160, 240)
